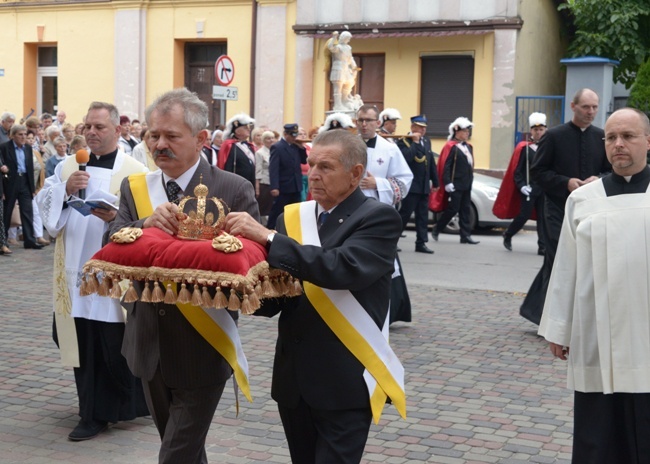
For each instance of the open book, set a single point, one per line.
(98, 199)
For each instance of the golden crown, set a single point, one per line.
(196, 224)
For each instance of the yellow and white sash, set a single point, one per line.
(215, 325)
(350, 322)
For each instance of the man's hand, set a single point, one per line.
(78, 180)
(244, 225)
(275, 192)
(368, 182)
(106, 215)
(559, 351)
(573, 184)
(590, 179)
(416, 137)
(164, 218)
(4, 169)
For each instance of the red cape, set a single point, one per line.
(224, 151)
(508, 202)
(438, 199)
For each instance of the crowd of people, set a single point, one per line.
(329, 205)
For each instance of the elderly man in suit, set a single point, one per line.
(19, 183)
(182, 374)
(345, 258)
(285, 174)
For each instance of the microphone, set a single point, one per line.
(82, 157)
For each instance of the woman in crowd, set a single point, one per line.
(256, 137)
(67, 131)
(78, 143)
(61, 151)
(142, 151)
(262, 180)
(39, 180)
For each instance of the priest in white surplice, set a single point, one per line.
(388, 179)
(89, 329)
(597, 309)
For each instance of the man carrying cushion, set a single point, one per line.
(182, 373)
(333, 366)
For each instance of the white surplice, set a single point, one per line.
(598, 300)
(82, 235)
(391, 171)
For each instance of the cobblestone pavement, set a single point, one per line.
(481, 387)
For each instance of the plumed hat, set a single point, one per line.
(537, 119)
(238, 120)
(337, 121)
(459, 123)
(389, 114)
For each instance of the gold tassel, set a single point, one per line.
(297, 288)
(258, 289)
(157, 294)
(220, 300)
(116, 290)
(105, 287)
(246, 306)
(233, 303)
(131, 295)
(277, 287)
(83, 288)
(170, 296)
(206, 298)
(267, 288)
(93, 284)
(196, 296)
(184, 295)
(146, 293)
(255, 301)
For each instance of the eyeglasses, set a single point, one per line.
(627, 138)
(366, 121)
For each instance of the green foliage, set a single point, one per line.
(615, 29)
(640, 93)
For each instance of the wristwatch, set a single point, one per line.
(269, 239)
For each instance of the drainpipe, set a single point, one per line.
(253, 57)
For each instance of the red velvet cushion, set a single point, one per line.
(156, 248)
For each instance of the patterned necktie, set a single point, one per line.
(172, 191)
(322, 217)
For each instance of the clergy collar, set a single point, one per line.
(638, 177)
(103, 161)
(371, 143)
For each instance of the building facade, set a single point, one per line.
(444, 58)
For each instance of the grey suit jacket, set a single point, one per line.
(357, 253)
(159, 333)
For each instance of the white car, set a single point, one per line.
(484, 193)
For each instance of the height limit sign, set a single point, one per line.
(224, 70)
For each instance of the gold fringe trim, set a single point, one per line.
(220, 300)
(196, 296)
(170, 296)
(157, 295)
(184, 295)
(206, 299)
(131, 295)
(146, 293)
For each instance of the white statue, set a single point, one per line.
(343, 74)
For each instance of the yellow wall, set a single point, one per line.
(85, 56)
(402, 80)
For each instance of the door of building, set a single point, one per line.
(199, 77)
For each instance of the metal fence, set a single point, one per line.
(552, 106)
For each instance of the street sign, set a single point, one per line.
(224, 93)
(224, 70)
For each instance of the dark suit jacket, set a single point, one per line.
(8, 155)
(424, 173)
(285, 173)
(463, 174)
(159, 333)
(359, 241)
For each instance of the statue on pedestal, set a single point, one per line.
(343, 74)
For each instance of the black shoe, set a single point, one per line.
(403, 235)
(85, 430)
(434, 233)
(507, 242)
(469, 240)
(33, 246)
(398, 249)
(541, 251)
(423, 249)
